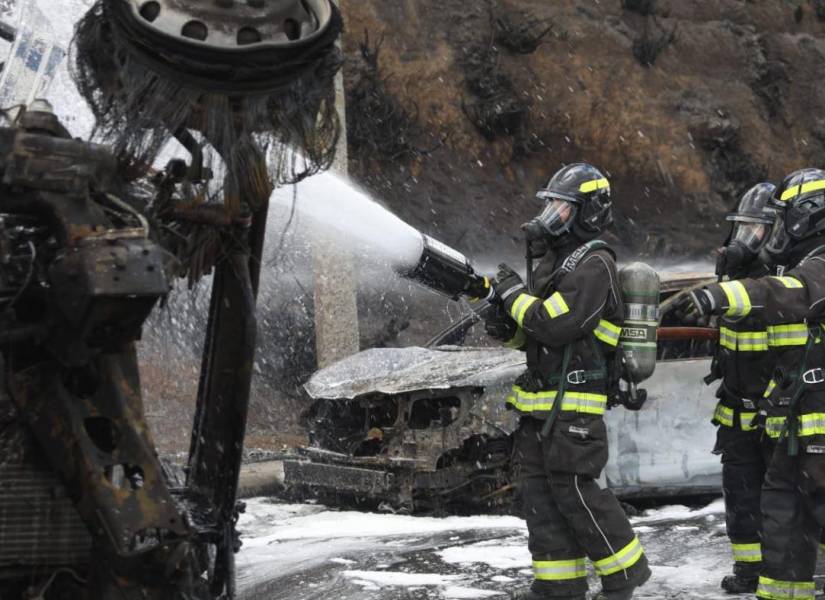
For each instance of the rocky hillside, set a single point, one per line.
(458, 111)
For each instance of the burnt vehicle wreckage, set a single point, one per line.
(90, 239)
(426, 429)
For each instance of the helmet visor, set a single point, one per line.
(557, 216)
(751, 235)
(779, 239)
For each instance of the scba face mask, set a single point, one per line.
(555, 220)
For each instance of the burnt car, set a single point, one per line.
(426, 428)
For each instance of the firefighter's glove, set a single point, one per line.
(500, 326)
(507, 283)
(696, 305)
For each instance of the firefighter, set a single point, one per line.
(567, 321)
(744, 364)
(793, 406)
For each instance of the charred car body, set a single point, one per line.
(91, 238)
(427, 429)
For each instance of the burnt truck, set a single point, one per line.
(426, 428)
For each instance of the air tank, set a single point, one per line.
(640, 291)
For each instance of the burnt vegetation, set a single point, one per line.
(498, 109)
(522, 36)
(641, 7)
(653, 40)
(379, 125)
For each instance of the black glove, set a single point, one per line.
(500, 325)
(695, 305)
(507, 282)
(733, 260)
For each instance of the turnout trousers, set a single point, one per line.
(793, 512)
(569, 517)
(745, 459)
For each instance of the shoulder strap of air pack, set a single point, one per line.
(572, 262)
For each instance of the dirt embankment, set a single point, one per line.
(458, 111)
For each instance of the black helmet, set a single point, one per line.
(801, 202)
(578, 201)
(752, 222)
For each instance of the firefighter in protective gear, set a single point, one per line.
(744, 364)
(793, 404)
(568, 324)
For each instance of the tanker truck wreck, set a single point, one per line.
(426, 429)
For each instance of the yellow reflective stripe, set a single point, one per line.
(739, 303)
(556, 306)
(622, 560)
(558, 570)
(520, 306)
(774, 589)
(812, 424)
(794, 334)
(727, 338)
(789, 282)
(581, 402)
(773, 426)
(723, 415)
(746, 421)
(743, 341)
(608, 332)
(805, 188)
(518, 340)
(769, 390)
(593, 185)
(747, 552)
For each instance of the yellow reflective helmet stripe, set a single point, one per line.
(805, 188)
(593, 185)
(775, 589)
(622, 560)
(747, 552)
(556, 306)
(790, 282)
(520, 306)
(559, 570)
(608, 332)
(792, 334)
(518, 340)
(739, 303)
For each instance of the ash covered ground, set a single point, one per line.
(303, 552)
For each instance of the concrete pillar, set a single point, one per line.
(336, 311)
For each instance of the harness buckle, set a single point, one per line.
(812, 376)
(576, 377)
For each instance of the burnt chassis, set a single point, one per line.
(86, 507)
(425, 429)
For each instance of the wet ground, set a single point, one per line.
(303, 552)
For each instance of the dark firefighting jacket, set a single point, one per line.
(581, 308)
(793, 308)
(745, 364)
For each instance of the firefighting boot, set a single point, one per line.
(531, 595)
(624, 593)
(740, 584)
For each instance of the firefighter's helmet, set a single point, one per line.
(578, 201)
(800, 200)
